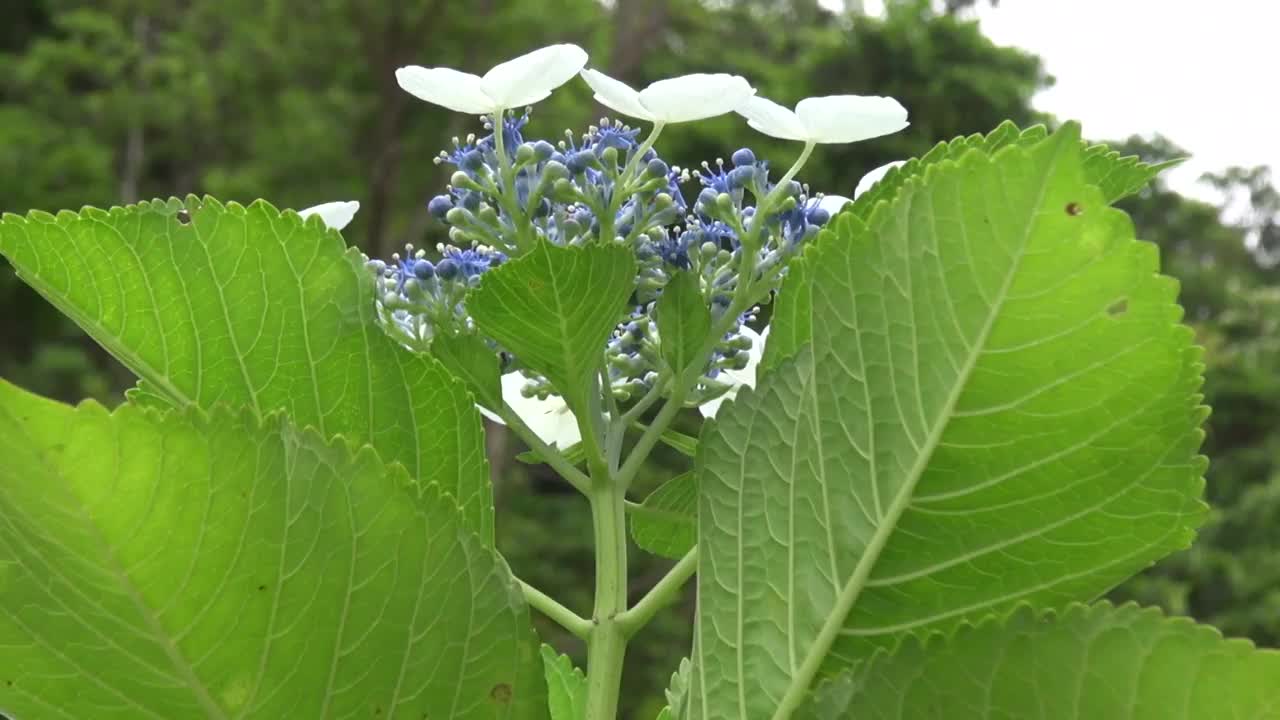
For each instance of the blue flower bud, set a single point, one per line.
(424, 270)
(440, 205)
(543, 150)
(740, 177)
(744, 157)
(447, 269)
(818, 216)
(472, 160)
(582, 160)
(657, 168)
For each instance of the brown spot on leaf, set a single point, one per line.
(501, 693)
(1118, 307)
(1074, 208)
(184, 217)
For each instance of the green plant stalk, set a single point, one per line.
(624, 180)
(524, 235)
(564, 617)
(661, 595)
(607, 641)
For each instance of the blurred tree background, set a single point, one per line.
(109, 101)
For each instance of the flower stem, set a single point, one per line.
(507, 193)
(554, 457)
(607, 641)
(547, 605)
(661, 595)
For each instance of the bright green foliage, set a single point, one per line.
(997, 405)
(683, 321)
(1087, 662)
(684, 444)
(212, 303)
(555, 308)
(471, 360)
(566, 686)
(184, 565)
(676, 693)
(1118, 177)
(665, 523)
(1004, 135)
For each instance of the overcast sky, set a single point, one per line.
(1204, 74)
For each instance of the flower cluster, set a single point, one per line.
(734, 231)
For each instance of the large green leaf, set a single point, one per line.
(996, 404)
(183, 565)
(210, 303)
(1115, 175)
(1089, 662)
(555, 308)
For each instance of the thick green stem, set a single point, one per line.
(566, 618)
(661, 595)
(607, 642)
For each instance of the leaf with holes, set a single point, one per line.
(555, 309)
(1087, 662)
(995, 403)
(212, 303)
(183, 565)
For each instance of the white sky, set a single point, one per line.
(1202, 73)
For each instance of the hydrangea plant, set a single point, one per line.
(972, 411)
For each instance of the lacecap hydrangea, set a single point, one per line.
(732, 224)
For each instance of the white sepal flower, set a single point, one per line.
(828, 119)
(833, 203)
(679, 99)
(870, 179)
(336, 215)
(515, 83)
(738, 378)
(550, 419)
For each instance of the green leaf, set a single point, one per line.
(683, 321)
(213, 303)
(1089, 662)
(996, 404)
(473, 362)
(666, 522)
(677, 708)
(575, 454)
(1119, 176)
(184, 565)
(1005, 135)
(555, 309)
(566, 686)
(676, 440)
